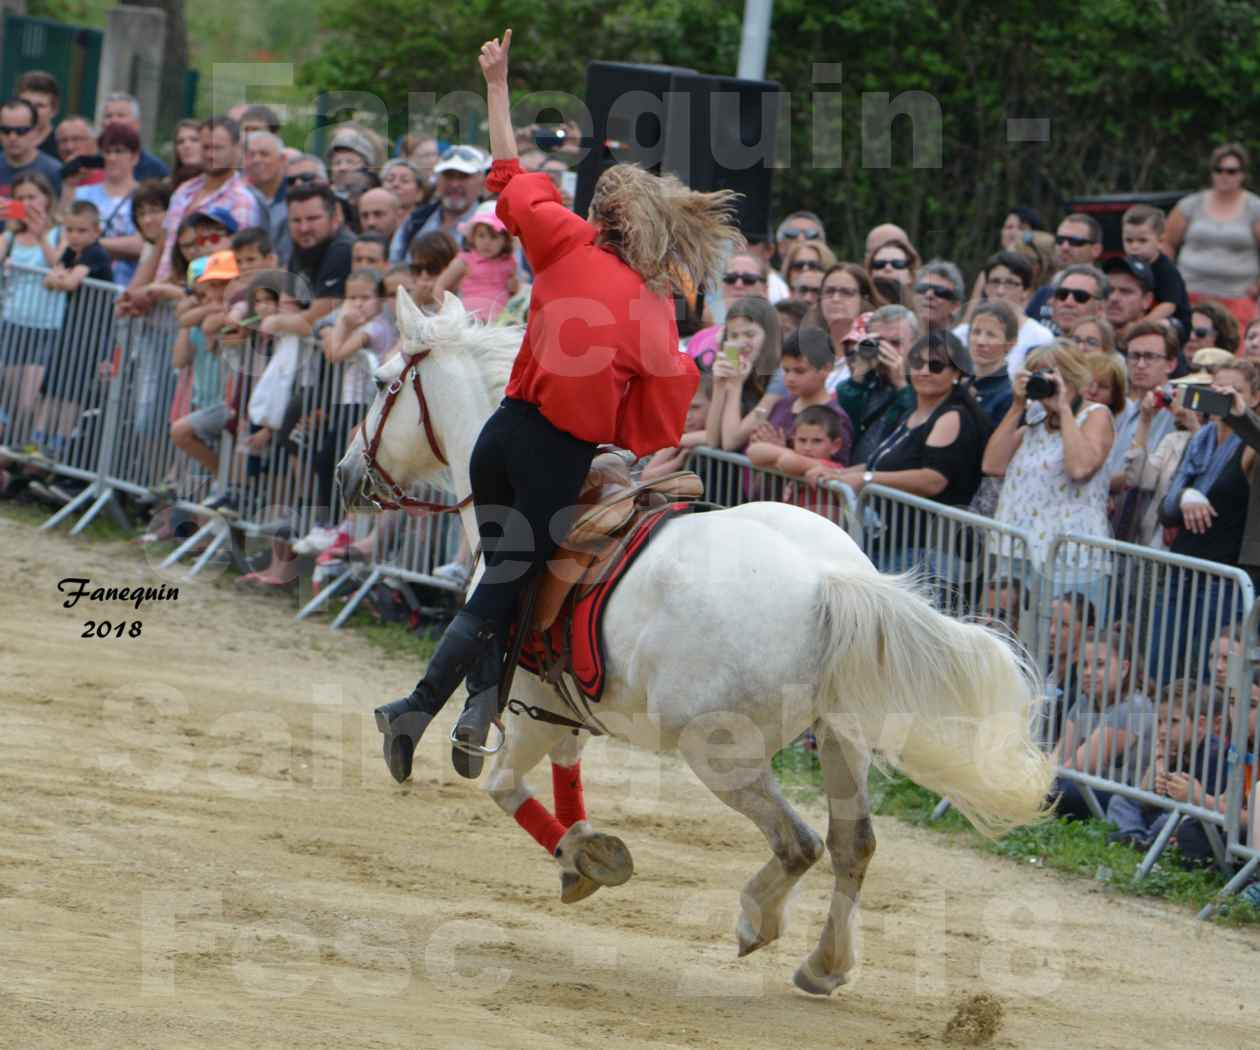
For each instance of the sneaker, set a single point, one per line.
(49, 494)
(318, 540)
(226, 503)
(453, 572)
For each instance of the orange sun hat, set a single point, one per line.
(221, 266)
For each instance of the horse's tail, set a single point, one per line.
(946, 702)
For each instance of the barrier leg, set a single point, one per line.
(325, 595)
(1157, 847)
(942, 807)
(373, 579)
(70, 508)
(105, 498)
(1091, 800)
(1233, 886)
(221, 537)
(1218, 846)
(187, 545)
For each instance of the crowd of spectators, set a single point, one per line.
(1047, 395)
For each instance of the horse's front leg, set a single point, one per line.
(851, 842)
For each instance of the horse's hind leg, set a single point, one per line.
(851, 842)
(755, 793)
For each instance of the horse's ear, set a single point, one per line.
(408, 315)
(451, 304)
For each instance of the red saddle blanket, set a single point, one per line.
(578, 631)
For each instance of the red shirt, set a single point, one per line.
(600, 356)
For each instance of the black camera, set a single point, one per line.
(1040, 386)
(1205, 399)
(868, 348)
(92, 162)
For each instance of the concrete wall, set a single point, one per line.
(132, 61)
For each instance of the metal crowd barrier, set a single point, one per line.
(730, 479)
(56, 350)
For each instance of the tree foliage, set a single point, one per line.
(1135, 94)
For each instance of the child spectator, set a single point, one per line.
(807, 362)
(747, 357)
(484, 274)
(73, 366)
(820, 433)
(1142, 229)
(197, 434)
(370, 251)
(1188, 766)
(791, 313)
(1109, 730)
(431, 254)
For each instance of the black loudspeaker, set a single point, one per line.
(712, 132)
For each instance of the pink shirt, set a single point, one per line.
(234, 195)
(484, 288)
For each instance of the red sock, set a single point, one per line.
(566, 793)
(532, 815)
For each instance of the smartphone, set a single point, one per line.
(568, 183)
(732, 354)
(12, 210)
(1205, 399)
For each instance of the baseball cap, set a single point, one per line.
(1133, 266)
(467, 159)
(356, 142)
(484, 215)
(220, 215)
(221, 266)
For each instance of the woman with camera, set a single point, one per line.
(1050, 448)
(936, 448)
(1207, 503)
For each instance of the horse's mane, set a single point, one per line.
(493, 348)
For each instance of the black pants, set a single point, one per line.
(526, 476)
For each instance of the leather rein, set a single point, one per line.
(378, 488)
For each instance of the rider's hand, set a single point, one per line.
(494, 59)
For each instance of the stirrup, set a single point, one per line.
(479, 749)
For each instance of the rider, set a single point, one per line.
(599, 363)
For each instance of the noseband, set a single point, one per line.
(378, 488)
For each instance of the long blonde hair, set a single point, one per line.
(669, 235)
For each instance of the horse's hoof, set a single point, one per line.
(749, 941)
(604, 859)
(814, 983)
(574, 887)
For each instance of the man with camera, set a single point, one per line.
(19, 138)
(877, 391)
(1151, 353)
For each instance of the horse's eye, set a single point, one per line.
(380, 383)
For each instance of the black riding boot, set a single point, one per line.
(404, 721)
(480, 711)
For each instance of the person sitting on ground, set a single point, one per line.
(1109, 730)
(747, 358)
(807, 362)
(1188, 766)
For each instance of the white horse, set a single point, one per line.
(732, 633)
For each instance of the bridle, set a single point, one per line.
(377, 487)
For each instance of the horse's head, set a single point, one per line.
(395, 447)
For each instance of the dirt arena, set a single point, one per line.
(200, 847)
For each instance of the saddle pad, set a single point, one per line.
(578, 630)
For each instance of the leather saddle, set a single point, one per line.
(614, 502)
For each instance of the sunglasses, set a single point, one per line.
(1201, 333)
(1220, 170)
(748, 279)
(8, 129)
(794, 235)
(803, 290)
(209, 238)
(805, 264)
(890, 264)
(1075, 242)
(935, 290)
(933, 364)
(301, 178)
(1076, 294)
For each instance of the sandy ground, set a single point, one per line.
(199, 847)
